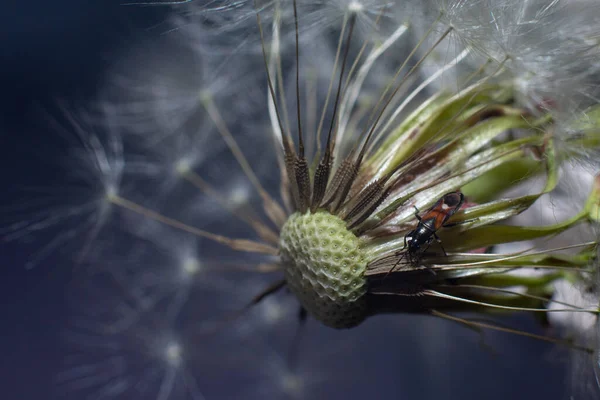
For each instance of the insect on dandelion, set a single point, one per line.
(385, 188)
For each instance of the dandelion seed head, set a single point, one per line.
(324, 268)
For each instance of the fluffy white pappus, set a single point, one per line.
(148, 360)
(449, 67)
(231, 27)
(217, 26)
(178, 172)
(550, 48)
(235, 198)
(160, 170)
(200, 182)
(152, 88)
(176, 276)
(188, 260)
(67, 214)
(374, 18)
(162, 85)
(377, 47)
(163, 323)
(373, 59)
(444, 62)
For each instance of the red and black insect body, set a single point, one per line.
(417, 241)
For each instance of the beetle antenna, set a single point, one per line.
(417, 213)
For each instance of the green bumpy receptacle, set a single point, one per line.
(324, 268)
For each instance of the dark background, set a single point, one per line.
(51, 51)
(54, 50)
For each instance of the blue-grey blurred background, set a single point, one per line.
(51, 51)
(58, 50)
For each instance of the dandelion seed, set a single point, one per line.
(140, 362)
(79, 206)
(552, 46)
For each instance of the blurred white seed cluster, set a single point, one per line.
(151, 292)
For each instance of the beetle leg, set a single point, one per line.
(417, 261)
(440, 242)
(394, 266)
(428, 243)
(401, 256)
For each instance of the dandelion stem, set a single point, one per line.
(284, 139)
(402, 81)
(340, 82)
(271, 207)
(406, 59)
(261, 229)
(235, 244)
(330, 88)
(300, 139)
(417, 90)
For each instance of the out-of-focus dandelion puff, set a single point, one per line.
(147, 360)
(312, 368)
(375, 173)
(282, 380)
(69, 213)
(158, 89)
(139, 330)
(550, 48)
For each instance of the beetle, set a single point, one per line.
(417, 241)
